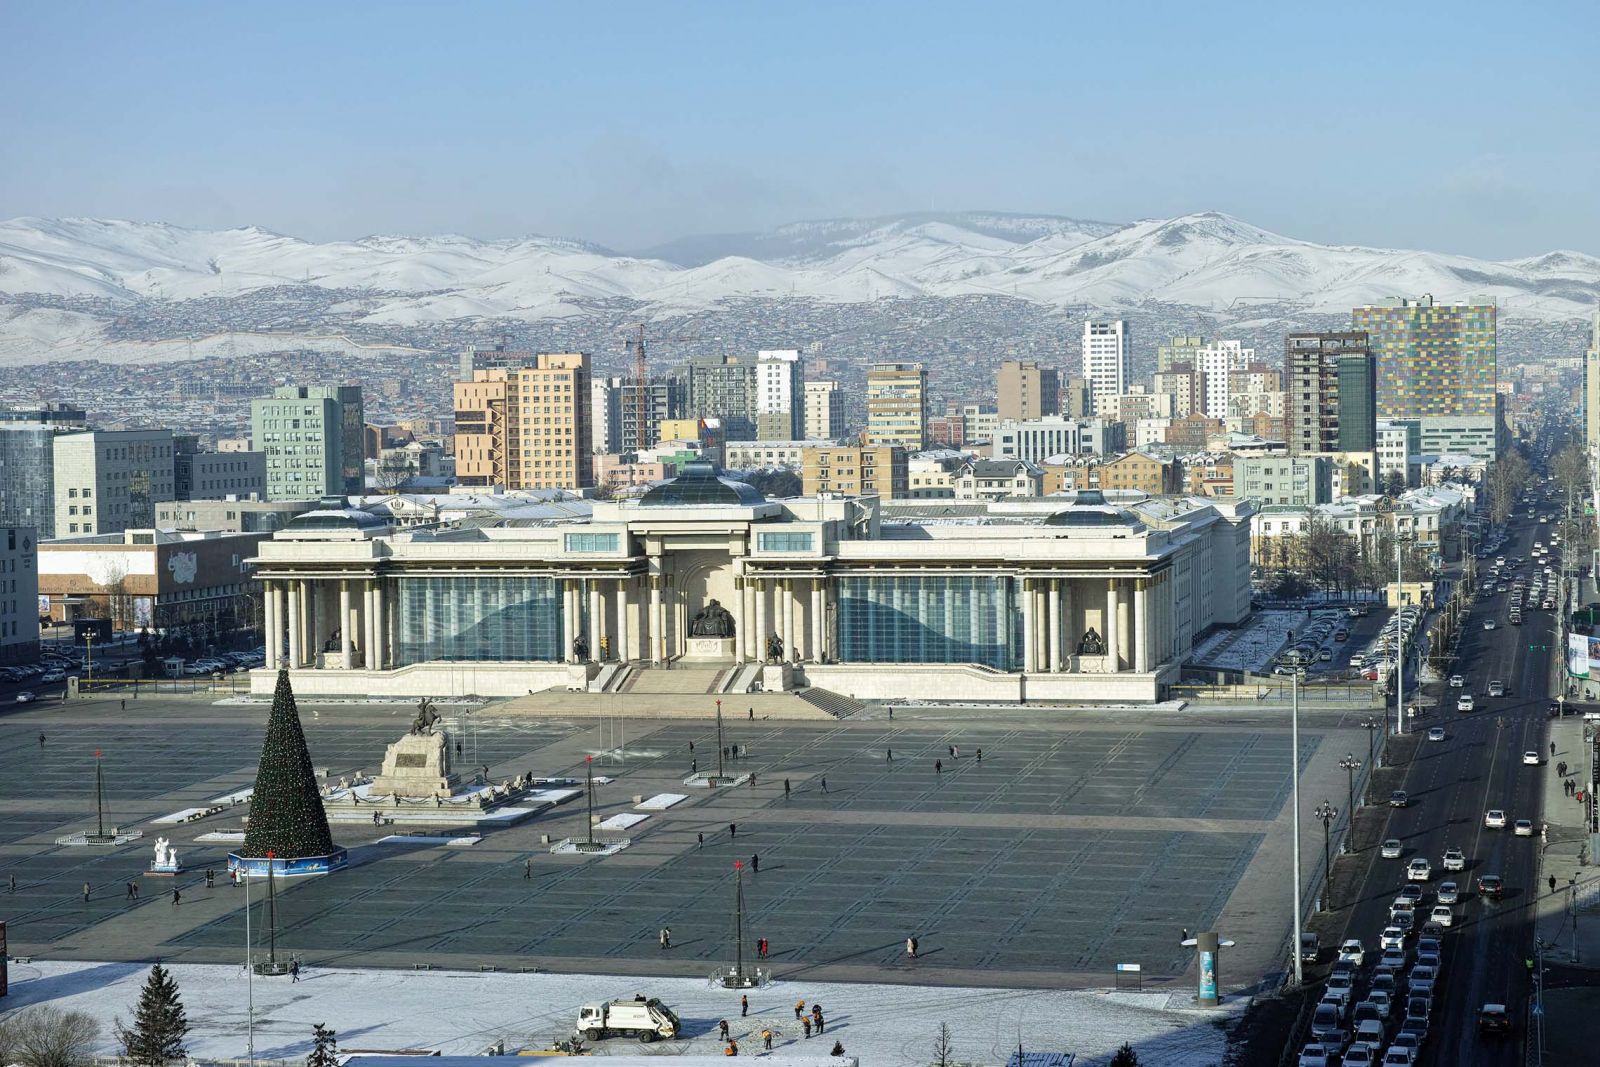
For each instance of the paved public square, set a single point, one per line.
(1080, 840)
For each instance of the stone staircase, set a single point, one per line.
(840, 707)
(679, 681)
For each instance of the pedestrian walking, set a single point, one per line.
(41, 740)
(816, 1017)
(694, 766)
(751, 714)
(527, 869)
(1528, 963)
(786, 789)
(752, 779)
(911, 947)
(824, 783)
(799, 1009)
(725, 752)
(13, 883)
(761, 947)
(744, 1005)
(952, 751)
(691, 748)
(176, 898)
(1552, 749)
(135, 890)
(700, 840)
(666, 942)
(766, 1040)
(294, 970)
(938, 766)
(755, 863)
(805, 1024)
(1183, 934)
(733, 830)
(124, 704)
(1552, 883)
(86, 892)
(723, 1027)
(458, 750)
(980, 755)
(130, 890)
(891, 713)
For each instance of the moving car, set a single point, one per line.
(1392, 937)
(1497, 688)
(1530, 759)
(1419, 869)
(1449, 893)
(1421, 980)
(1488, 624)
(1436, 733)
(1352, 951)
(1495, 819)
(1456, 681)
(1412, 892)
(1392, 960)
(1523, 828)
(1442, 914)
(1318, 1054)
(1391, 849)
(1464, 702)
(1454, 860)
(1494, 1020)
(27, 697)
(1360, 1054)
(1491, 886)
(1399, 799)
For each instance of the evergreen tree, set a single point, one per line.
(1125, 1057)
(159, 1023)
(324, 1047)
(286, 813)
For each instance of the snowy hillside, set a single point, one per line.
(1208, 261)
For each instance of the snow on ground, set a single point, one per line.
(461, 1013)
(1253, 647)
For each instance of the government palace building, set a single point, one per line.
(1078, 597)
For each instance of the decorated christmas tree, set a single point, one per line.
(286, 815)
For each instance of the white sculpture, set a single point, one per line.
(161, 852)
(172, 858)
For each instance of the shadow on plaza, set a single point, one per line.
(26, 991)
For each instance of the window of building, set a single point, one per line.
(784, 542)
(591, 542)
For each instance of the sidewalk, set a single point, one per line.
(1576, 900)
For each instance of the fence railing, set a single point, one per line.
(133, 688)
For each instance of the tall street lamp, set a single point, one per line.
(1327, 813)
(1372, 726)
(1351, 764)
(1294, 777)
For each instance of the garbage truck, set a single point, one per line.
(645, 1019)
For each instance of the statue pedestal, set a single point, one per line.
(777, 678)
(417, 765)
(706, 649)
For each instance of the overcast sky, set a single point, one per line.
(1459, 127)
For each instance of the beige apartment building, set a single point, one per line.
(526, 427)
(824, 410)
(480, 445)
(897, 405)
(1027, 390)
(882, 471)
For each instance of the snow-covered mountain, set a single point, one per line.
(1208, 260)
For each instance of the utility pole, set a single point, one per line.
(719, 742)
(1294, 774)
(1400, 635)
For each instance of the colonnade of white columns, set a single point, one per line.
(301, 616)
(1131, 615)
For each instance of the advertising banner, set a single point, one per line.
(1208, 977)
(1583, 656)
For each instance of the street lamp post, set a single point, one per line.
(1294, 774)
(1374, 757)
(1327, 813)
(1352, 765)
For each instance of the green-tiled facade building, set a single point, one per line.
(1434, 360)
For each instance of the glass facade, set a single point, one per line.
(480, 618)
(592, 542)
(27, 478)
(784, 542)
(930, 619)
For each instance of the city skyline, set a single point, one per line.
(667, 123)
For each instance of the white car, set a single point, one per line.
(1443, 914)
(1523, 828)
(1455, 859)
(1530, 759)
(1456, 681)
(1352, 951)
(1318, 1054)
(1497, 688)
(1436, 733)
(1420, 870)
(1464, 703)
(1398, 1056)
(1495, 819)
(1360, 1054)
(1392, 937)
(26, 697)
(1488, 624)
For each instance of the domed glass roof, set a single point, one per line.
(1088, 507)
(698, 483)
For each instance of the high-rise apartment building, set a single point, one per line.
(824, 418)
(1591, 391)
(27, 477)
(480, 437)
(1330, 402)
(497, 357)
(1027, 390)
(548, 411)
(756, 399)
(1434, 360)
(614, 413)
(897, 405)
(109, 480)
(856, 472)
(1106, 349)
(1077, 399)
(1217, 362)
(1185, 385)
(1182, 351)
(314, 438)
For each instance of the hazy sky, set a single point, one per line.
(1459, 127)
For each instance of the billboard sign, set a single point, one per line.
(1583, 656)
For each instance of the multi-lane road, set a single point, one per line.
(1452, 784)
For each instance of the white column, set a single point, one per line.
(1110, 623)
(346, 645)
(1142, 634)
(624, 652)
(654, 625)
(785, 617)
(762, 630)
(1069, 624)
(750, 639)
(1125, 627)
(269, 618)
(1030, 628)
(819, 652)
(382, 654)
(741, 619)
(596, 619)
(1053, 591)
(296, 627)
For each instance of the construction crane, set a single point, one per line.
(641, 394)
